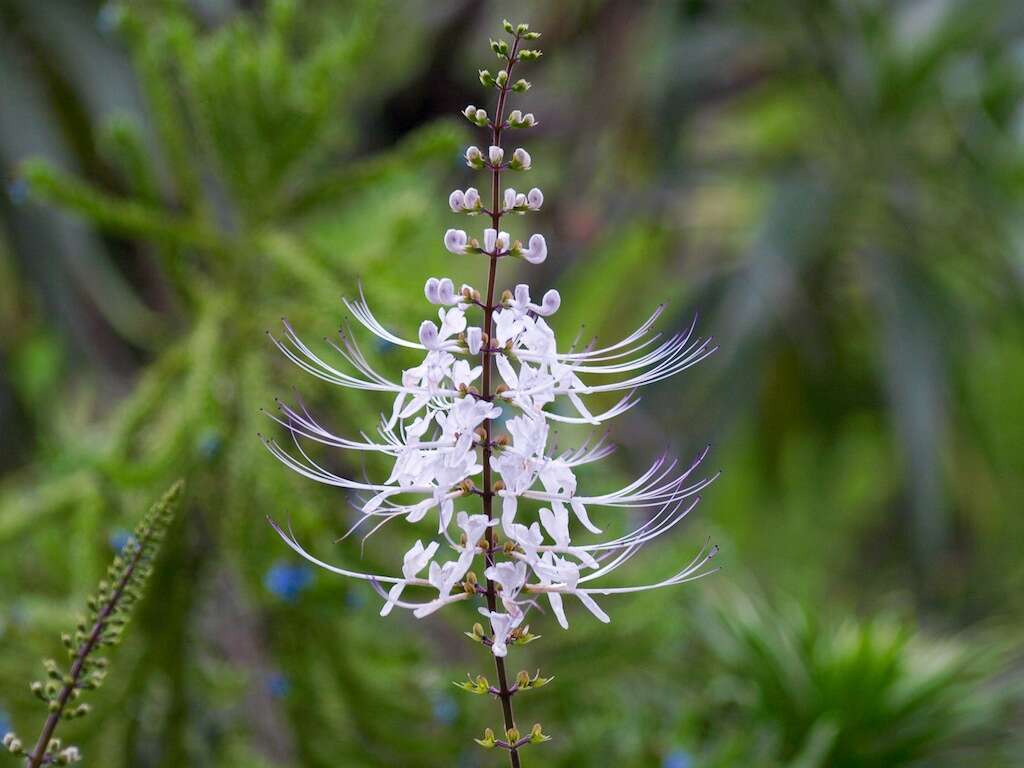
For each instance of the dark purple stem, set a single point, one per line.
(504, 692)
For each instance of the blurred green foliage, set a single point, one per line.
(834, 185)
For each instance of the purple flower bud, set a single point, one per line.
(455, 240)
(550, 303)
(538, 250)
(430, 290)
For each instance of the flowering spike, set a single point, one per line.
(485, 357)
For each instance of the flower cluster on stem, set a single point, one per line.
(441, 432)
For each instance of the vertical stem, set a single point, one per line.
(488, 490)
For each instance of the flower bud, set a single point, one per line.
(529, 120)
(512, 734)
(510, 199)
(550, 303)
(537, 735)
(521, 160)
(446, 291)
(528, 54)
(474, 340)
(538, 250)
(69, 756)
(471, 200)
(486, 78)
(428, 334)
(480, 117)
(534, 199)
(455, 241)
(474, 158)
(502, 77)
(523, 679)
(515, 118)
(521, 86)
(487, 742)
(508, 26)
(456, 201)
(495, 155)
(470, 112)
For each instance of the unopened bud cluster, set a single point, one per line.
(109, 611)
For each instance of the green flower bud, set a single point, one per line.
(487, 742)
(537, 735)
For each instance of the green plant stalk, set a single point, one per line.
(142, 555)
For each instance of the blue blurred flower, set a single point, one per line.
(18, 191)
(119, 539)
(209, 444)
(355, 599)
(109, 18)
(678, 758)
(446, 709)
(279, 685)
(287, 580)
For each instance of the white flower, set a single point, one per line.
(444, 429)
(415, 560)
(522, 305)
(502, 625)
(510, 576)
(463, 375)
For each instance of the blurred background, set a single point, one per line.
(833, 185)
